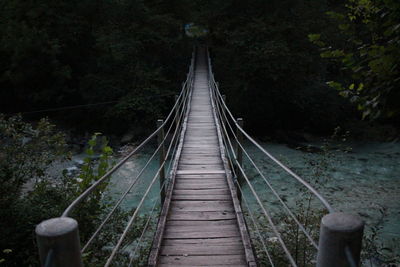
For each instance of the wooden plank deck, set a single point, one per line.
(203, 224)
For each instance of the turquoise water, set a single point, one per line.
(365, 181)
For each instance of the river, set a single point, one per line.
(364, 180)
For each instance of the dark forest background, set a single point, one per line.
(133, 55)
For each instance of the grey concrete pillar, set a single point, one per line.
(58, 242)
(339, 232)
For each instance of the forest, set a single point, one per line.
(68, 69)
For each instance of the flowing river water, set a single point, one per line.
(364, 180)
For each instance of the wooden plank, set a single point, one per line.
(196, 249)
(196, 228)
(189, 172)
(204, 241)
(201, 223)
(203, 260)
(199, 161)
(202, 176)
(190, 179)
(194, 182)
(204, 233)
(191, 186)
(199, 167)
(201, 215)
(208, 192)
(201, 197)
(201, 206)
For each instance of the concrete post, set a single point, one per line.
(338, 231)
(239, 154)
(160, 139)
(58, 242)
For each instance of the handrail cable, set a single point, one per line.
(266, 214)
(109, 260)
(298, 178)
(169, 168)
(330, 209)
(132, 255)
(130, 186)
(139, 147)
(270, 186)
(255, 224)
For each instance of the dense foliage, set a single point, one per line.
(369, 52)
(266, 66)
(25, 153)
(67, 53)
(31, 194)
(126, 59)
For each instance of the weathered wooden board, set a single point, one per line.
(204, 241)
(192, 186)
(201, 197)
(207, 191)
(200, 249)
(201, 223)
(201, 206)
(200, 171)
(201, 215)
(203, 260)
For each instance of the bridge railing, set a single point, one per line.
(58, 238)
(340, 234)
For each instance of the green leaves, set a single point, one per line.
(316, 39)
(369, 55)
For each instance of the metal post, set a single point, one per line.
(184, 88)
(239, 153)
(340, 232)
(58, 242)
(160, 139)
(223, 110)
(176, 112)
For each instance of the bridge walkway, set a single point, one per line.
(202, 226)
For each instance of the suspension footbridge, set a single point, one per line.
(204, 189)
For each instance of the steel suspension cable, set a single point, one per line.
(130, 187)
(271, 187)
(119, 164)
(330, 209)
(255, 224)
(146, 225)
(114, 251)
(298, 178)
(266, 214)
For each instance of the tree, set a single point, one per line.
(369, 53)
(266, 66)
(29, 195)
